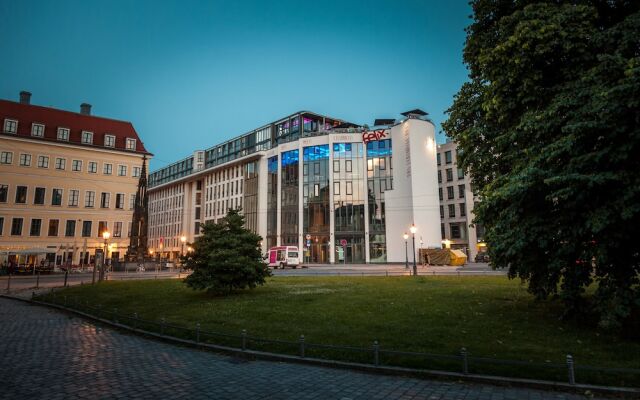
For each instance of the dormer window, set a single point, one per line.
(131, 144)
(37, 130)
(87, 137)
(109, 141)
(10, 126)
(63, 134)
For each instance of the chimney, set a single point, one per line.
(85, 109)
(25, 97)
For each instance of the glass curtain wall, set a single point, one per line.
(289, 206)
(379, 180)
(272, 202)
(348, 202)
(250, 192)
(315, 192)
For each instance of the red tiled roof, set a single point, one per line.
(52, 118)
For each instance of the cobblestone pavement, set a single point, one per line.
(45, 354)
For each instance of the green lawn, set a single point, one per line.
(490, 316)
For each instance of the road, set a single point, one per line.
(29, 282)
(49, 355)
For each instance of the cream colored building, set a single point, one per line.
(65, 177)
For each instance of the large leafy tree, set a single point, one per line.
(226, 257)
(549, 128)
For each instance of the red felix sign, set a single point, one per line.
(372, 136)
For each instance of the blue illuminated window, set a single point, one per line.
(314, 153)
(272, 165)
(290, 157)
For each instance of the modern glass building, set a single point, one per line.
(340, 192)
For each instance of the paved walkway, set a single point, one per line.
(45, 354)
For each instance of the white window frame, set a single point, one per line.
(106, 141)
(8, 121)
(71, 197)
(61, 166)
(120, 170)
(73, 165)
(104, 169)
(89, 164)
(40, 157)
(107, 198)
(6, 157)
(136, 172)
(131, 141)
(63, 134)
(27, 159)
(124, 199)
(87, 134)
(89, 195)
(33, 129)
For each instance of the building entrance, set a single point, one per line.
(316, 250)
(349, 249)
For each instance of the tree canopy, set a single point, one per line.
(226, 257)
(548, 125)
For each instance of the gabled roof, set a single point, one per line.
(52, 119)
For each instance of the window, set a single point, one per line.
(136, 172)
(109, 141)
(439, 176)
(89, 198)
(370, 165)
(1, 225)
(349, 188)
(132, 201)
(447, 157)
(117, 229)
(53, 227)
(10, 126)
(36, 225)
(455, 231)
(74, 197)
(76, 165)
(336, 165)
(348, 166)
(38, 196)
(87, 137)
(460, 173)
(461, 191)
(6, 157)
(56, 197)
(449, 192)
(21, 194)
(43, 161)
(463, 210)
(63, 134)
(131, 144)
(70, 228)
(37, 130)
(438, 159)
(92, 167)
(102, 226)
(61, 163)
(452, 210)
(25, 160)
(122, 170)
(316, 189)
(4, 193)
(441, 211)
(120, 201)
(382, 163)
(440, 193)
(16, 227)
(104, 200)
(86, 228)
(107, 169)
(449, 174)
(336, 187)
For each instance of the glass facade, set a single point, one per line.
(289, 189)
(250, 195)
(315, 203)
(348, 202)
(379, 180)
(272, 202)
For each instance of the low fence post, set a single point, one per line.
(162, 323)
(244, 339)
(301, 346)
(376, 353)
(198, 333)
(465, 361)
(570, 370)
(9, 284)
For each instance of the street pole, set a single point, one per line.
(415, 268)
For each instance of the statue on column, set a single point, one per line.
(137, 250)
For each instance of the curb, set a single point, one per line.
(620, 392)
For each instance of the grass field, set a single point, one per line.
(490, 316)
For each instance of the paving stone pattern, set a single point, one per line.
(45, 354)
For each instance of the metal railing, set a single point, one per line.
(462, 363)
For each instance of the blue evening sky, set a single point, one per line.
(190, 74)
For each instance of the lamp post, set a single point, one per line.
(105, 235)
(406, 251)
(183, 240)
(413, 230)
(420, 252)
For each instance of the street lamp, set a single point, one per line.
(447, 243)
(406, 251)
(413, 230)
(105, 235)
(183, 240)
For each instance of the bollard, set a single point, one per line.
(66, 276)
(376, 355)
(302, 346)
(9, 284)
(570, 370)
(38, 281)
(162, 323)
(115, 315)
(465, 361)
(244, 339)
(135, 320)
(197, 333)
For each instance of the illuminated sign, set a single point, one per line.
(372, 136)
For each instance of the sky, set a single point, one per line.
(191, 74)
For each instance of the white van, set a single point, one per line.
(283, 256)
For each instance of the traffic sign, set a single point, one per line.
(343, 242)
